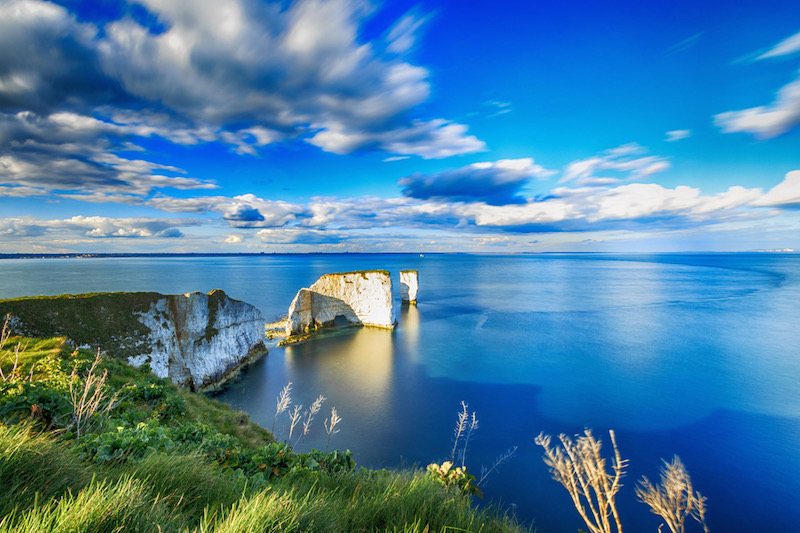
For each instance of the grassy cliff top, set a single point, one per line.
(107, 320)
(361, 272)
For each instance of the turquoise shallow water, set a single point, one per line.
(695, 355)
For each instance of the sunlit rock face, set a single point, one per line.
(198, 340)
(357, 298)
(409, 283)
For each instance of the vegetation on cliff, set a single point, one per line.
(152, 457)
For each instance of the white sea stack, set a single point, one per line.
(198, 340)
(409, 283)
(360, 298)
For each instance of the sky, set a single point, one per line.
(399, 126)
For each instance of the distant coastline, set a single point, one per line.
(259, 254)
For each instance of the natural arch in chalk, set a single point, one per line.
(361, 298)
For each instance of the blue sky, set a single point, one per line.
(342, 125)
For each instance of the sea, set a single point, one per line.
(694, 355)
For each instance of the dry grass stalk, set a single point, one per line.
(674, 499)
(294, 419)
(511, 452)
(581, 469)
(5, 333)
(472, 424)
(310, 413)
(283, 403)
(4, 336)
(466, 423)
(331, 428)
(461, 426)
(87, 396)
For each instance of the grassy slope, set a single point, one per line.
(51, 484)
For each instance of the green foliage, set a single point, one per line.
(458, 477)
(147, 399)
(127, 443)
(174, 461)
(24, 400)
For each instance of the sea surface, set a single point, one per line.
(695, 355)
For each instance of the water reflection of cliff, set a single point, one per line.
(408, 330)
(356, 361)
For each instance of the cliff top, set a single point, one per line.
(107, 320)
(362, 272)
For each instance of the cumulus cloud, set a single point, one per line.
(364, 223)
(234, 238)
(784, 194)
(776, 118)
(678, 135)
(67, 151)
(243, 211)
(433, 139)
(497, 183)
(624, 163)
(96, 227)
(244, 73)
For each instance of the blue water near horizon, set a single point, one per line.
(688, 354)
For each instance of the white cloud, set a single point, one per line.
(621, 162)
(678, 135)
(71, 152)
(766, 121)
(403, 34)
(96, 227)
(499, 108)
(234, 238)
(784, 194)
(244, 211)
(434, 139)
(788, 46)
(241, 72)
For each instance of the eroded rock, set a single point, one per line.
(354, 298)
(198, 340)
(409, 283)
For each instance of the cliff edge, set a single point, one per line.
(197, 340)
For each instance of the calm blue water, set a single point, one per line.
(695, 355)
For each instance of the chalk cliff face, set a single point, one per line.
(199, 339)
(359, 298)
(409, 283)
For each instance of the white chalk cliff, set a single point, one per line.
(199, 339)
(409, 283)
(360, 298)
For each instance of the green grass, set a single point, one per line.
(227, 420)
(105, 320)
(216, 484)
